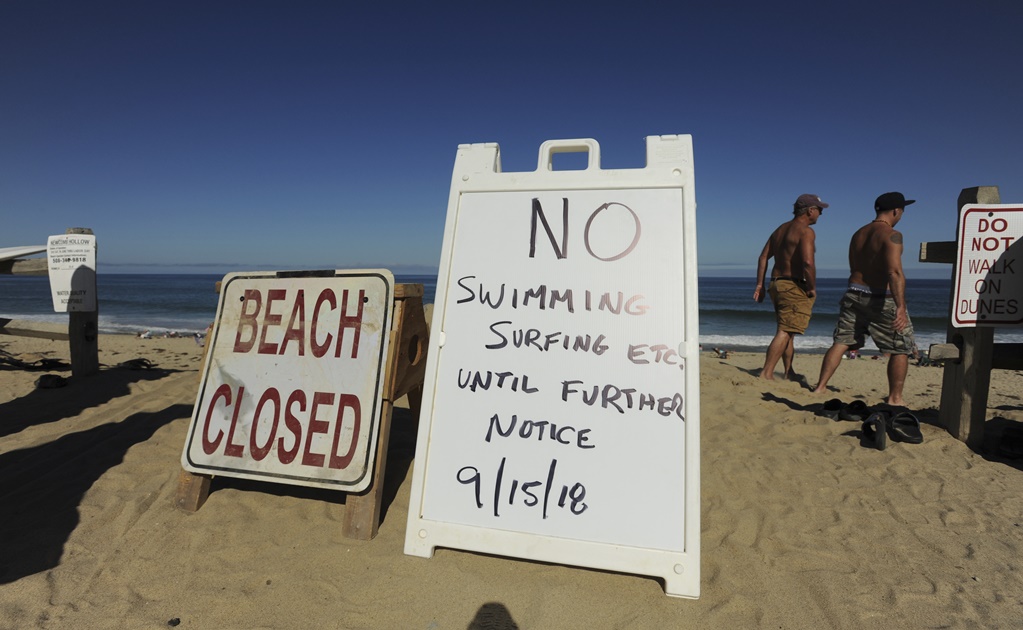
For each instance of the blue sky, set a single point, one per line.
(216, 136)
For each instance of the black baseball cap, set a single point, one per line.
(890, 201)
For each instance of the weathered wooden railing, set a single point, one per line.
(969, 354)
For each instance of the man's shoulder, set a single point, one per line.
(803, 230)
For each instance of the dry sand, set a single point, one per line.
(803, 527)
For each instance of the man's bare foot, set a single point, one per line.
(820, 390)
(766, 376)
(895, 402)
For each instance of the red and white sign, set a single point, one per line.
(989, 273)
(293, 380)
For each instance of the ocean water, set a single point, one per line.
(729, 318)
(133, 303)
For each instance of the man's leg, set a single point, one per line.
(832, 359)
(782, 340)
(898, 365)
(789, 357)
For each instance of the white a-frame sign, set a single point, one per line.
(561, 416)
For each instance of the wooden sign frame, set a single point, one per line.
(403, 376)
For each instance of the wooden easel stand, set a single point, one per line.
(403, 375)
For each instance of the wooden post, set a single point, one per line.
(83, 333)
(406, 368)
(194, 489)
(964, 385)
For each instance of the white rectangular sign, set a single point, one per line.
(71, 259)
(989, 271)
(292, 385)
(561, 415)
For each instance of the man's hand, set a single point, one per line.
(758, 293)
(901, 319)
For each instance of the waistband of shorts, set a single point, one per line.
(793, 279)
(863, 289)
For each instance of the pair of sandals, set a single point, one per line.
(856, 411)
(901, 427)
(877, 425)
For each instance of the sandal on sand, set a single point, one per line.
(874, 434)
(50, 381)
(905, 427)
(831, 409)
(855, 411)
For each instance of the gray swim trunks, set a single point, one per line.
(862, 312)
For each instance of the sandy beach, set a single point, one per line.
(803, 526)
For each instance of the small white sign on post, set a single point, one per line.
(292, 385)
(560, 417)
(71, 259)
(989, 268)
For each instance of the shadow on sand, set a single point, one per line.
(1003, 438)
(42, 406)
(401, 450)
(493, 616)
(1003, 442)
(795, 378)
(41, 488)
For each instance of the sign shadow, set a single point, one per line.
(1004, 279)
(401, 450)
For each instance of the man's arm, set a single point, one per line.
(896, 279)
(808, 249)
(758, 292)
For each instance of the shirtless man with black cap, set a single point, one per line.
(875, 302)
(793, 285)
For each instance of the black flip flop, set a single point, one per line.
(905, 427)
(831, 409)
(856, 411)
(874, 431)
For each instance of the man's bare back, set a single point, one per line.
(788, 245)
(870, 255)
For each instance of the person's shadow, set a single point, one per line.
(493, 616)
(796, 378)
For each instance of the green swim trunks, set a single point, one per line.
(792, 306)
(862, 313)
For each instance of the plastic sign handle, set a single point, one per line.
(579, 145)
